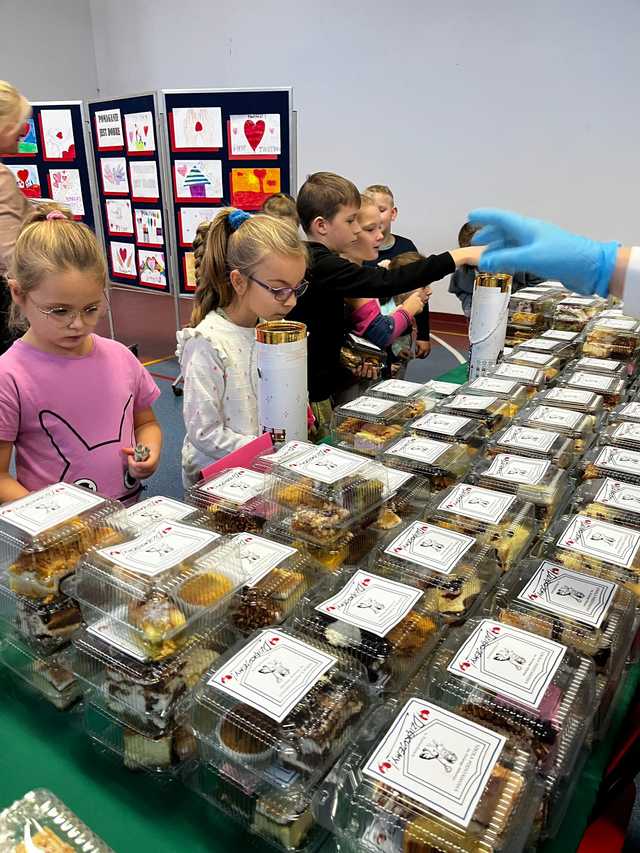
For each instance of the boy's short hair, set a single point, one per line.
(383, 189)
(322, 194)
(281, 205)
(404, 259)
(466, 233)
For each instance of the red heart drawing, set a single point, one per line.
(145, 129)
(495, 629)
(59, 134)
(271, 183)
(198, 126)
(384, 767)
(254, 131)
(23, 174)
(366, 581)
(424, 713)
(123, 254)
(260, 173)
(226, 678)
(235, 130)
(273, 641)
(465, 665)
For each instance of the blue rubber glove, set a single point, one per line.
(518, 244)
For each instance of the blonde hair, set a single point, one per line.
(382, 189)
(218, 249)
(48, 246)
(367, 199)
(283, 206)
(14, 107)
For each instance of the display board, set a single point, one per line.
(52, 158)
(226, 147)
(127, 155)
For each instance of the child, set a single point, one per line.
(408, 346)
(282, 206)
(392, 244)
(328, 207)
(72, 404)
(247, 267)
(462, 280)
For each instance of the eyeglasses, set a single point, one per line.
(64, 317)
(281, 294)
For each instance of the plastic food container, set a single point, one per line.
(535, 481)
(619, 462)
(234, 498)
(547, 363)
(567, 422)
(416, 394)
(517, 683)
(585, 402)
(454, 569)
(439, 462)
(531, 377)
(373, 801)
(625, 412)
(604, 366)
(531, 308)
(45, 625)
(160, 586)
(349, 549)
(43, 535)
(570, 338)
(42, 822)
(574, 312)
(504, 389)
(369, 424)
(489, 410)
(612, 337)
(442, 389)
(551, 346)
(498, 519)
(452, 428)
(323, 492)
(536, 443)
(611, 388)
(610, 500)
(382, 621)
(407, 499)
(518, 334)
(158, 509)
(624, 434)
(141, 693)
(51, 676)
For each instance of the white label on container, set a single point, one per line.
(291, 448)
(419, 449)
(398, 387)
(577, 300)
(440, 387)
(237, 485)
(617, 323)
(259, 556)
(272, 673)
(54, 505)
(518, 469)
(396, 479)
(560, 335)
(509, 661)
(159, 548)
(591, 380)
(472, 402)
(615, 493)
(533, 357)
(569, 594)
(556, 416)
(113, 629)
(540, 440)
(326, 464)
(519, 371)
(544, 345)
(571, 395)
(371, 602)
(443, 424)
(437, 758)
(498, 386)
(369, 405)
(629, 430)
(619, 459)
(158, 509)
(599, 539)
(529, 294)
(433, 547)
(476, 502)
(631, 410)
(597, 364)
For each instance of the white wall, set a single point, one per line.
(47, 49)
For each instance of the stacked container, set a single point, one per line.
(370, 424)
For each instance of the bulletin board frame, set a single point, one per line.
(196, 150)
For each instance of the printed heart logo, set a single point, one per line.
(274, 640)
(495, 629)
(424, 713)
(465, 665)
(226, 678)
(145, 129)
(533, 596)
(198, 126)
(182, 170)
(384, 767)
(555, 571)
(23, 174)
(59, 134)
(254, 131)
(366, 581)
(123, 254)
(331, 607)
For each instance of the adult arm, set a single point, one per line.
(14, 207)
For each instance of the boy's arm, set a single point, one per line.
(10, 488)
(423, 327)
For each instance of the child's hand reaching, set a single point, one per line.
(144, 469)
(414, 303)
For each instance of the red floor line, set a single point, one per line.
(162, 376)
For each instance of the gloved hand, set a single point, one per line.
(518, 244)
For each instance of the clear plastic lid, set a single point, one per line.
(157, 509)
(592, 616)
(406, 501)
(350, 549)
(420, 778)
(537, 443)
(602, 366)
(492, 411)
(159, 585)
(623, 434)
(143, 694)
(567, 422)
(551, 346)
(49, 676)
(43, 535)
(369, 424)
(518, 334)
(525, 374)
(571, 338)
(442, 389)
(586, 402)
(534, 688)
(549, 364)
(501, 520)
(399, 390)
(611, 337)
(529, 307)
(234, 498)
(625, 412)
(504, 389)
(609, 499)
(42, 822)
(445, 427)
(276, 705)
(322, 492)
(439, 461)
(382, 621)
(454, 569)
(383, 409)
(608, 461)
(574, 312)
(44, 624)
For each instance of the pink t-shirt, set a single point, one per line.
(69, 418)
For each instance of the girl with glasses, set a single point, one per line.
(248, 268)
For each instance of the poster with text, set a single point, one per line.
(144, 181)
(250, 188)
(197, 180)
(113, 173)
(139, 133)
(109, 133)
(196, 128)
(148, 227)
(119, 217)
(65, 187)
(123, 262)
(27, 179)
(253, 137)
(56, 130)
(188, 220)
(152, 268)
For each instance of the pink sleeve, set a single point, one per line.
(364, 316)
(9, 408)
(147, 392)
(401, 322)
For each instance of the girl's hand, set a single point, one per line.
(142, 470)
(414, 303)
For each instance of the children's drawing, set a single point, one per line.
(28, 144)
(123, 262)
(148, 227)
(119, 216)
(144, 181)
(114, 176)
(198, 180)
(152, 268)
(188, 220)
(196, 128)
(56, 127)
(139, 133)
(189, 267)
(28, 180)
(250, 188)
(109, 136)
(65, 186)
(255, 136)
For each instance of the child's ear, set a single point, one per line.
(394, 214)
(319, 226)
(238, 282)
(16, 293)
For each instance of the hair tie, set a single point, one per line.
(236, 218)
(55, 214)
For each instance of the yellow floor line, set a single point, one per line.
(156, 361)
